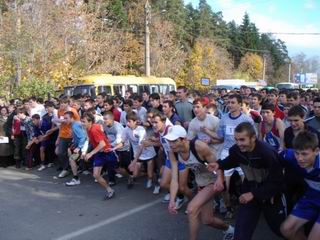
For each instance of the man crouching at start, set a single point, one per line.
(195, 154)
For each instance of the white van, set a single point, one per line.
(287, 85)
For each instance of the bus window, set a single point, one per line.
(134, 88)
(118, 90)
(164, 89)
(143, 88)
(104, 89)
(83, 90)
(154, 89)
(68, 91)
(171, 88)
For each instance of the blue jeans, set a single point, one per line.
(63, 145)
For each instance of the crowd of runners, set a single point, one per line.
(240, 153)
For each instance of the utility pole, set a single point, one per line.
(264, 68)
(147, 8)
(289, 72)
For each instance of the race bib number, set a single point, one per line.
(22, 128)
(230, 130)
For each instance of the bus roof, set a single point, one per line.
(106, 79)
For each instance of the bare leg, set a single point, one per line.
(183, 184)
(315, 232)
(100, 179)
(150, 168)
(73, 166)
(165, 179)
(42, 154)
(195, 208)
(291, 228)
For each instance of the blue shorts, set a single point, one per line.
(181, 166)
(307, 208)
(101, 159)
(46, 143)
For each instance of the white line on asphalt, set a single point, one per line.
(108, 221)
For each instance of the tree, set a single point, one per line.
(252, 66)
(205, 60)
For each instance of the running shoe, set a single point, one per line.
(166, 198)
(130, 182)
(73, 182)
(156, 189)
(149, 184)
(179, 203)
(109, 195)
(229, 234)
(118, 175)
(63, 174)
(50, 165)
(85, 172)
(41, 168)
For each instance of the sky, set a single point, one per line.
(281, 16)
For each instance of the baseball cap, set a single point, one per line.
(176, 132)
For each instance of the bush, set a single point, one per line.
(34, 87)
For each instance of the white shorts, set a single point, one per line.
(229, 172)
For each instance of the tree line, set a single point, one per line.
(47, 44)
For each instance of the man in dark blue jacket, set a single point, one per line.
(262, 186)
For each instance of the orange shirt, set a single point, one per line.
(65, 129)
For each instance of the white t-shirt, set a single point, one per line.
(39, 109)
(210, 122)
(135, 137)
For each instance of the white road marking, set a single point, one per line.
(108, 221)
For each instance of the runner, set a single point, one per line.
(102, 154)
(78, 148)
(271, 129)
(263, 183)
(194, 154)
(135, 135)
(305, 159)
(114, 130)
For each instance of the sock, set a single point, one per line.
(76, 177)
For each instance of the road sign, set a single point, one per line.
(306, 78)
(205, 81)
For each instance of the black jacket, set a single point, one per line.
(261, 167)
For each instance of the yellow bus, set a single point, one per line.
(117, 85)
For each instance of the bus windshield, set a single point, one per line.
(83, 90)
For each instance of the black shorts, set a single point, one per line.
(145, 161)
(124, 158)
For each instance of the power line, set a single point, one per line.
(293, 33)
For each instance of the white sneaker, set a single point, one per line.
(166, 198)
(118, 175)
(149, 184)
(156, 189)
(63, 174)
(73, 182)
(50, 165)
(41, 168)
(86, 172)
(229, 234)
(179, 203)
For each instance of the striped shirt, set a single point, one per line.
(227, 126)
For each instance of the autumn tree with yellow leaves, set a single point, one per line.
(251, 66)
(205, 60)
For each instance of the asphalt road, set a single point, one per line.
(34, 205)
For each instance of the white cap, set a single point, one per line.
(176, 132)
